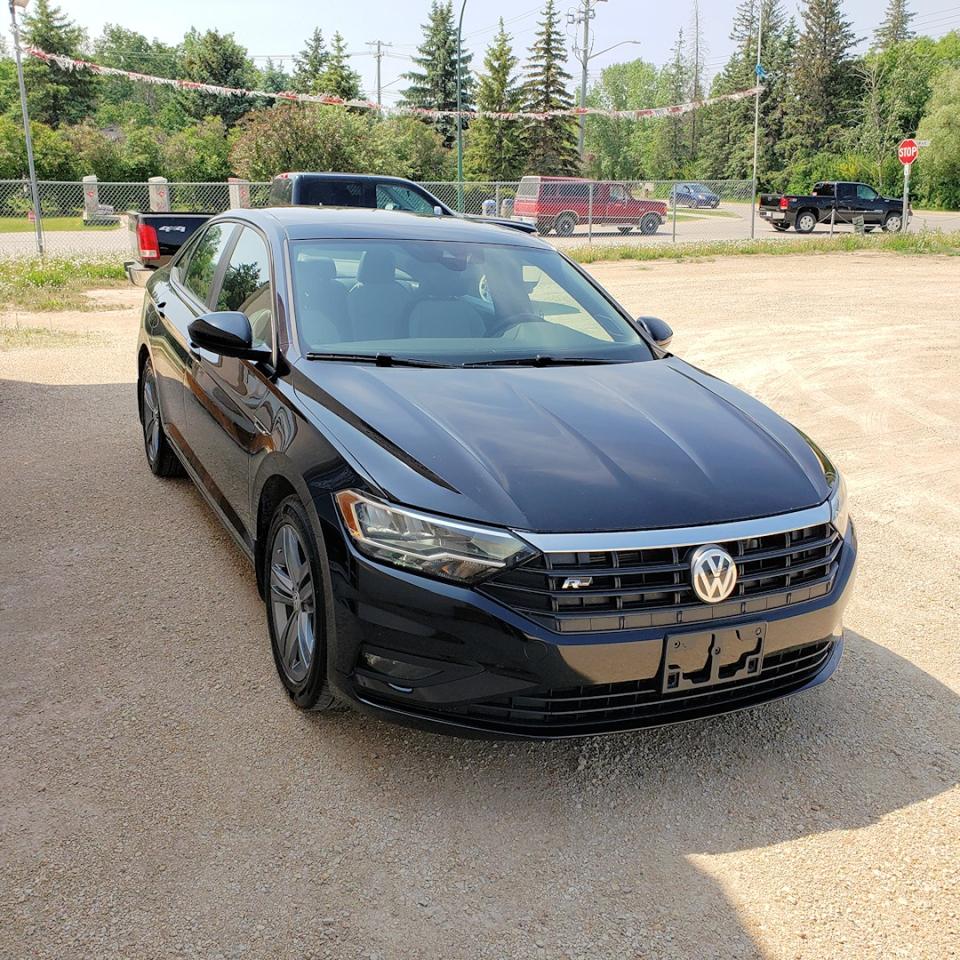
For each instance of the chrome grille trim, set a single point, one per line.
(676, 536)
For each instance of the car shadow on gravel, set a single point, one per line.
(617, 823)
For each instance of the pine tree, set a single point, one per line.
(339, 78)
(895, 27)
(495, 149)
(551, 144)
(309, 64)
(55, 96)
(670, 150)
(823, 83)
(696, 69)
(433, 85)
(216, 58)
(273, 78)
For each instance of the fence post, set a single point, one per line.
(159, 194)
(91, 197)
(590, 215)
(496, 197)
(673, 193)
(239, 191)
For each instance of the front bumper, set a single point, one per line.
(448, 658)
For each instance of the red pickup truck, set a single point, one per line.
(560, 203)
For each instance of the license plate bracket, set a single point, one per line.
(705, 659)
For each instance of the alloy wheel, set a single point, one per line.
(151, 415)
(293, 602)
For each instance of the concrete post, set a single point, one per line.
(239, 192)
(159, 195)
(91, 198)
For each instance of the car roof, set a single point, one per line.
(364, 223)
(320, 175)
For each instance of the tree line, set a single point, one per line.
(826, 110)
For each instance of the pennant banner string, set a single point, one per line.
(71, 63)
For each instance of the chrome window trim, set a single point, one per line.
(677, 536)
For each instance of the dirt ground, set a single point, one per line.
(159, 795)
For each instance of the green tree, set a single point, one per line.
(823, 85)
(338, 77)
(614, 148)
(53, 154)
(273, 78)
(120, 100)
(55, 96)
(939, 164)
(96, 151)
(433, 84)
(668, 153)
(495, 150)
(200, 153)
(217, 59)
(309, 64)
(295, 136)
(895, 27)
(551, 144)
(405, 147)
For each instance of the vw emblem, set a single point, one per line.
(713, 572)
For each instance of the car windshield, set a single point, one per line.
(453, 303)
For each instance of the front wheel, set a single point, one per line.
(564, 224)
(296, 607)
(806, 221)
(893, 223)
(649, 224)
(161, 459)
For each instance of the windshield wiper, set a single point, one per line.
(540, 360)
(380, 359)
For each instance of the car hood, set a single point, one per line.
(563, 449)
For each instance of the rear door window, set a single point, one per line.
(246, 285)
(330, 193)
(394, 196)
(202, 266)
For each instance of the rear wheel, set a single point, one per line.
(544, 227)
(893, 223)
(160, 456)
(564, 224)
(649, 224)
(806, 221)
(296, 607)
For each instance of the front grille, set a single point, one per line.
(632, 589)
(639, 703)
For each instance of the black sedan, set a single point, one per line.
(478, 495)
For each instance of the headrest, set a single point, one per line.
(377, 265)
(323, 269)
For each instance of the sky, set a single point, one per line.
(278, 29)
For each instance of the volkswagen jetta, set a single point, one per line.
(478, 495)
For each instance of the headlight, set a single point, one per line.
(432, 545)
(839, 512)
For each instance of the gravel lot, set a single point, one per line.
(160, 797)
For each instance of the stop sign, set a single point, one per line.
(908, 151)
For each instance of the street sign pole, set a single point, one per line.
(907, 167)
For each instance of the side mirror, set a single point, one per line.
(438, 211)
(659, 330)
(227, 333)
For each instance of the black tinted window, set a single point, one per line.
(246, 285)
(330, 193)
(202, 265)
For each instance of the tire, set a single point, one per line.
(780, 227)
(893, 222)
(649, 224)
(544, 227)
(806, 221)
(564, 224)
(296, 600)
(161, 459)
(624, 230)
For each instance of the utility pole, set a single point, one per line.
(31, 168)
(379, 55)
(756, 125)
(583, 15)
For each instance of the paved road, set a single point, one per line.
(735, 226)
(160, 797)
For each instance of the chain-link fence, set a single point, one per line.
(89, 217)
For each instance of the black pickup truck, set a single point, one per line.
(837, 200)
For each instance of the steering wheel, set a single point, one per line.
(514, 320)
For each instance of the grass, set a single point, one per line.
(23, 225)
(20, 338)
(929, 242)
(55, 283)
